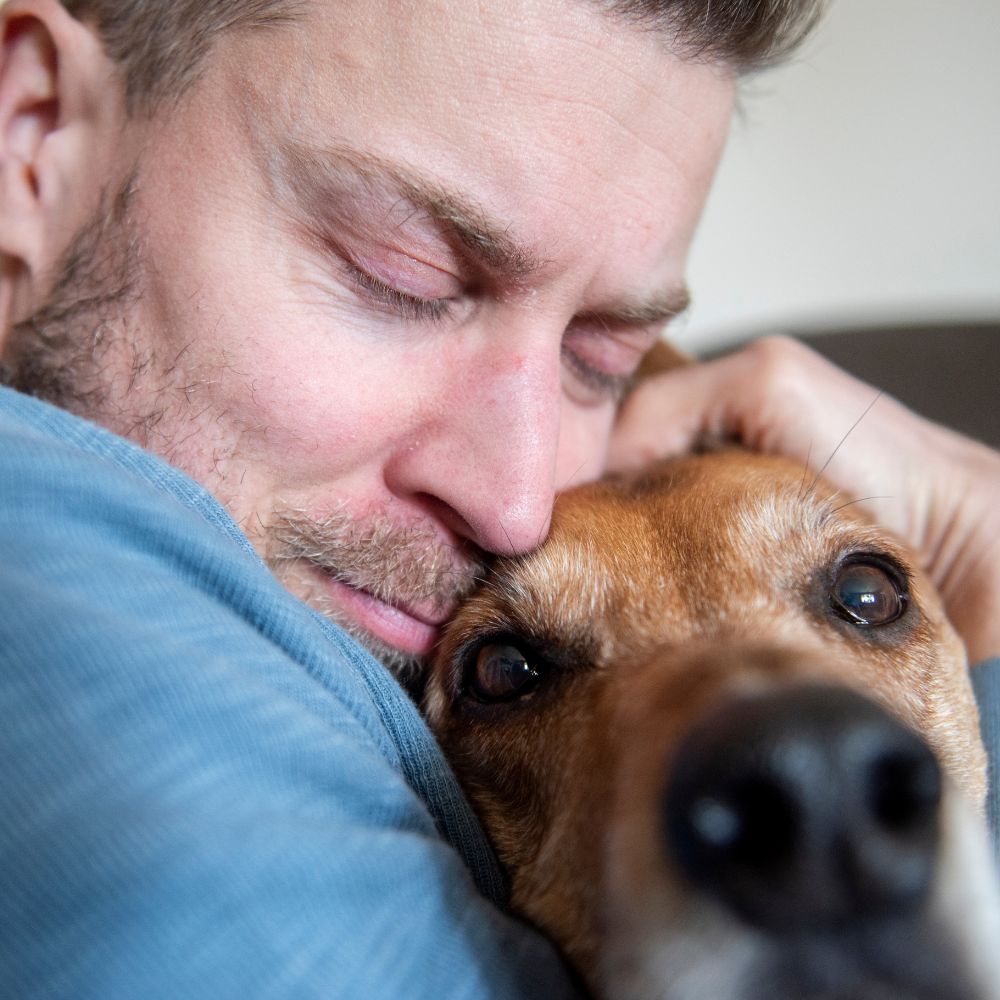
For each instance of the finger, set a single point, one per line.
(775, 395)
(759, 396)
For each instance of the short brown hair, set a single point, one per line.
(743, 34)
(160, 45)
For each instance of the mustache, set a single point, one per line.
(398, 564)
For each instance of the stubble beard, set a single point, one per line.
(82, 352)
(63, 353)
(401, 566)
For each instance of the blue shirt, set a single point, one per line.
(207, 790)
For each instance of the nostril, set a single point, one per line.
(752, 823)
(805, 807)
(905, 789)
(889, 849)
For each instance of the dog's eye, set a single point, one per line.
(501, 673)
(866, 593)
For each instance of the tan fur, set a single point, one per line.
(661, 357)
(658, 595)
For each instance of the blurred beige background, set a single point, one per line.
(861, 186)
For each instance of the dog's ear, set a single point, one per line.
(661, 358)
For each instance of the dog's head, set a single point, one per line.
(723, 739)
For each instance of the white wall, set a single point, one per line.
(862, 181)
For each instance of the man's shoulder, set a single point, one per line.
(45, 447)
(190, 744)
(121, 570)
(24, 418)
(102, 531)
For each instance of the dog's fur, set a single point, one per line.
(657, 599)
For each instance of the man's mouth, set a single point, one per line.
(411, 630)
(392, 586)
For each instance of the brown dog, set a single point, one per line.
(689, 723)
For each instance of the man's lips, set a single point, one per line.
(411, 630)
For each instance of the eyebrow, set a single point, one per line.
(659, 309)
(309, 170)
(306, 168)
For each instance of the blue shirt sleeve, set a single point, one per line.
(986, 684)
(206, 791)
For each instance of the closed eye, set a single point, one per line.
(409, 307)
(600, 384)
(604, 355)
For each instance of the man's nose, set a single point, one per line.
(485, 464)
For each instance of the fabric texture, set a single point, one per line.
(986, 684)
(209, 791)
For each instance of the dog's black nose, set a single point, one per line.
(805, 809)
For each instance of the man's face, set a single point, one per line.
(396, 262)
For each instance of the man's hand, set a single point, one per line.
(935, 489)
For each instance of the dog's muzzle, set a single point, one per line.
(814, 818)
(808, 808)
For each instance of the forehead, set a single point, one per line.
(579, 130)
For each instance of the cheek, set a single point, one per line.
(309, 409)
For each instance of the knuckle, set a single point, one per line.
(780, 363)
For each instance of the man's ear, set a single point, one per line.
(28, 71)
(54, 77)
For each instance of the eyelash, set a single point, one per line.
(409, 307)
(415, 309)
(613, 387)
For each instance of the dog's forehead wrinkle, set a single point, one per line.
(557, 579)
(656, 567)
(575, 586)
(774, 517)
